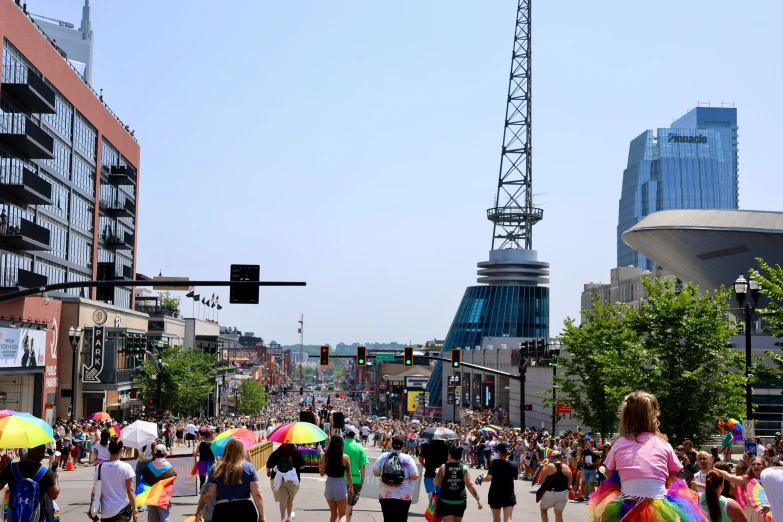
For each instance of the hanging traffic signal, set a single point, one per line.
(408, 355)
(456, 358)
(324, 356)
(361, 356)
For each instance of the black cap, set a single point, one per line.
(398, 442)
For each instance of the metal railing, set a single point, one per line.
(19, 73)
(75, 70)
(259, 454)
(16, 123)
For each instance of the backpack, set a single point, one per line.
(392, 473)
(25, 499)
(285, 464)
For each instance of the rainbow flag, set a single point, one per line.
(114, 431)
(157, 495)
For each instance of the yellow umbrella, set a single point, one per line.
(22, 430)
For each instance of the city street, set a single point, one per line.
(310, 506)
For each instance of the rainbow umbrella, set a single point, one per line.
(22, 430)
(99, 416)
(488, 430)
(247, 437)
(732, 425)
(540, 470)
(298, 433)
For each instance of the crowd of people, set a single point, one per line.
(635, 476)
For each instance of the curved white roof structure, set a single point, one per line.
(709, 247)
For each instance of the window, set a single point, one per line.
(82, 212)
(62, 159)
(9, 268)
(59, 206)
(75, 276)
(83, 175)
(61, 121)
(84, 137)
(81, 250)
(53, 272)
(109, 155)
(58, 238)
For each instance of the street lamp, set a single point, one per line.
(74, 336)
(554, 354)
(741, 287)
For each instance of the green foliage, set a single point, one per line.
(771, 280)
(601, 366)
(674, 346)
(252, 397)
(696, 375)
(188, 379)
(168, 302)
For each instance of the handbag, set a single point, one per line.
(432, 515)
(95, 500)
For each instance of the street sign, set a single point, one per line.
(563, 408)
(164, 279)
(244, 294)
(748, 429)
(384, 357)
(750, 445)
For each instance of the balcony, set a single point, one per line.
(124, 272)
(118, 240)
(124, 376)
(119, 209)
(23, 184)
(25, 235)
(25, 136)
(28, 89)
(122, 175)
(29, 279)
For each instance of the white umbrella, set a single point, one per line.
(139, 434)
(415, 421)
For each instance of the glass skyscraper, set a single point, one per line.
(690, 165)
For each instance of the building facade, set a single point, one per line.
(68, 172)
(68, 181)
(625, 286)
(76, 44)
(690, 165)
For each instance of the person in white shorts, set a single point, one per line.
(772, 481)
(555, 480)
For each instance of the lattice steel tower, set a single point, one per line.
(513, 215)
(510, 301)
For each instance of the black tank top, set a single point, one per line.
(205, 451)
(560, 481)
(453, 485)
(335, 469)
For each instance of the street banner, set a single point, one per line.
(22, 347)
(370, 488)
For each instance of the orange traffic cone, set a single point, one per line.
(69, 464)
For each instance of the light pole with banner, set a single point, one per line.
(741, 287)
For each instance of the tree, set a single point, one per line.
(691, 368)
(168, 302)
(188, 379)
(675, 346)
(771, 283)
(252, 397)
(601, 366)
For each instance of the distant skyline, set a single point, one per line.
(355, 145)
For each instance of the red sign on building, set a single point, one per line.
(563, 408)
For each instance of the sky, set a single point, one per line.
(355, 145)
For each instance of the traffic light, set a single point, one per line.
(456, 358)
(324, 356)
(528, 407)
(361, 356)
(408, 355)
(152, 402)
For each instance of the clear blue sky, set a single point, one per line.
(355, 145)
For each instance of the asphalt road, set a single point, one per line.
(309, 505)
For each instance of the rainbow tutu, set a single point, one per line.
(680, 504)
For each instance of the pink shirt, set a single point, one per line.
(650, 458)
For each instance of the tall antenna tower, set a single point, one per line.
(513, 215)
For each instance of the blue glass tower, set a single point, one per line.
(690, 165)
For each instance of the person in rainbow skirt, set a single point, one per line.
(641, 484)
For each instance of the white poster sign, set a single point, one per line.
(20, 347)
